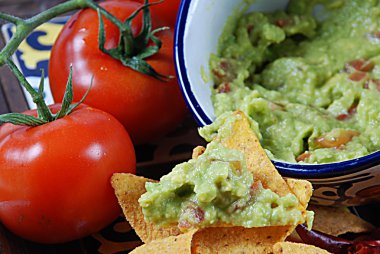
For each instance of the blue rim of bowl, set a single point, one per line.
(305, 171)
(179, 34)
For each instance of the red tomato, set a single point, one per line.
(147, 107)
(167, 10)
(55, 178)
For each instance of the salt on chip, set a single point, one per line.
(292, 248)
(128, 190)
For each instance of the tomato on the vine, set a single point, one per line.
(146, 106)
(166, 10)
(55, 178)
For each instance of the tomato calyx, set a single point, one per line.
(44, 114)
(132, 50)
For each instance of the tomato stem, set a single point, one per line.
(44, 114)
(38, 98)
(132, 50)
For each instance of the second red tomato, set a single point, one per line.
(147, 107)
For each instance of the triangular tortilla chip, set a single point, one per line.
(242, 138)
(128, 190)
(293, 248)
(218, 240)
(325, 221)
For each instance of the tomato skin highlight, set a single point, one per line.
(148, 108)
(55, 178)
(167, 10)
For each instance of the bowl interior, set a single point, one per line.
(197, 38)
(199, 25)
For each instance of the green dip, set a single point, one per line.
(216, 188)
(312, 86)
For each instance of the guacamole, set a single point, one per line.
(312, 86)
(216, 188)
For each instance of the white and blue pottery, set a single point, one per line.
(199, 26)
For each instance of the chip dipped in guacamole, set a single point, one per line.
(311, 86)
(217, 188)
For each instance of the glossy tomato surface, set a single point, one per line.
(147, 107)
(167, 10)
(55, 178)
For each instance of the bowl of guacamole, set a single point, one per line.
(307, 73)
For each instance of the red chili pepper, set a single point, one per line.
(365, 247)
(330, 243)
(338, 245)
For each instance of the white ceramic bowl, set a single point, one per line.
(199, 26)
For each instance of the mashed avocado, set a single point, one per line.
(216, 188)
(311, 86)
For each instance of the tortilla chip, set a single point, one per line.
(292, 248)
(128, 190)
(217, 240)
(238, 239)
(302, 189)
(326, 221)
(258, 162)
(228, 240)
(170, 245)
(244, 140)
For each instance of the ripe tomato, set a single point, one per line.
(167, 10)
(55, 178)
(147, 107)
